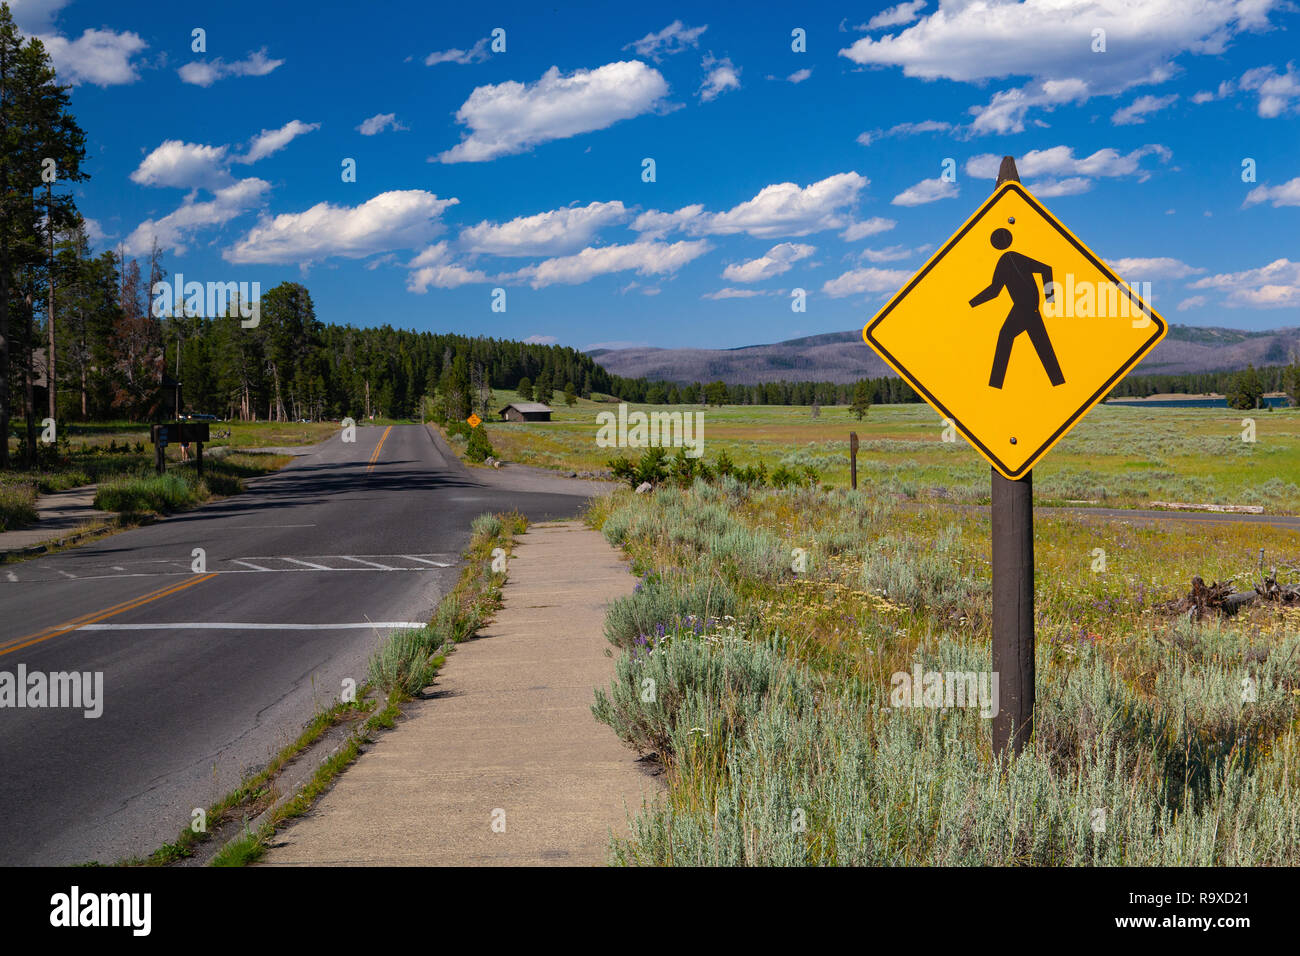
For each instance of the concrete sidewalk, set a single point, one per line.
(60, 514)
(509, 731)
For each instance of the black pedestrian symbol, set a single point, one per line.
(1015, 273)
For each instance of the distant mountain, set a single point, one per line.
(844, 357)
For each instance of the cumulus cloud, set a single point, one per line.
(1277, 91)
(184, 166)
(868, 227)
(207, 72)
(774, 262)
(512, 117)
(270, 141)
(378, 123)
(1287, 194)
(172, 231)
(475, 54)
(1063, 173)
(926, 191)
(400, 219)
(644, 257)
(673, 38)
(720, 76)
(541, 340)
(1273, 286)
(1049, 41)
(550, 233)
(730, 293)
(782, 209)
(434, 267)
(858, 281)
(1161, 267)
(1138, 111)
(895, 16)
(98, 57)
(798, 76)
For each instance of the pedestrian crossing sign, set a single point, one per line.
(1014, 329)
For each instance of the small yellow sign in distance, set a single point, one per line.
(474, 420)
(974, 333)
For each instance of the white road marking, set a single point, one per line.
(436, 564)
(234, 626)
(308, 564)
(373, 564)
(118, 568)
(249, 564)
(12, 576)
(66, 574)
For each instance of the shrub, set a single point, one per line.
(478, 448)
(661, 605)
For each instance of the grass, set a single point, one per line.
(181, 488)
(1117, 456)
(781, 741)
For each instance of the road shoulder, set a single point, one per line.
(503, 763)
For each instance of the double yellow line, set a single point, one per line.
(18, 643)
(374, 455)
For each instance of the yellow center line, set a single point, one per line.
(28, 640)
(374, 456)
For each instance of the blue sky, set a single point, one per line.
(775, 169)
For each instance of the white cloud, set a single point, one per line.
(868, 227)
(673, 38)
(720, 76)
(1064, 173)
(378, 123)
(858, 281)
(732, 294)
(434, 267)
(173, 230)
(95, 233)
(1191, 302)
(926, 191)
(644, 257)
(889, 254)
(1161, 267)
(1050, 41)
(400, 219)
(552, 233)
(99, 57)
(1276, 90)
(1137, 111)
(785, 209)
(207, 72)
(653, 224)
(798, 76)
(1272, 286)
(271, 141)
(904, 129)
(35, 16)
(184, 166)
(512, 117)
(475, 54)
(895, 16)
(1287, 194)
(541, 340)
(774, 262)
(1071, 186)
(782, 209)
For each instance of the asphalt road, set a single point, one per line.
(206, 674)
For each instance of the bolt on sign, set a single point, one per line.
(1013, 330)
(474, 421)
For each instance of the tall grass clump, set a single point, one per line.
(922, 573)
(160, 493)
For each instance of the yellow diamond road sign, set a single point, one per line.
(977, 334)
(474, 420)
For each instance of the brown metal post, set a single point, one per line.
(198, 457)
(853, 459)
(1013, 591)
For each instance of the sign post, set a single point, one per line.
(853, 459)
(1014, 330)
